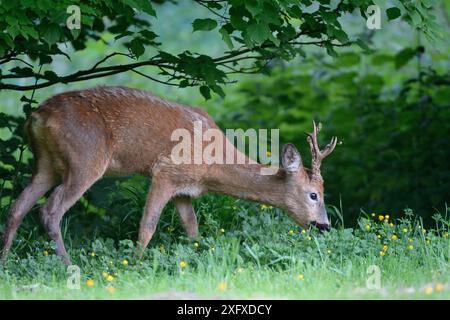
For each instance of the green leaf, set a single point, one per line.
(393, 13)
(217, 89)
(204, 90)
(258, 33)
(137, 47)
(226, 38)
(50, 33)
(403, 57)
(204, 24)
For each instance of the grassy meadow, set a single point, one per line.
(382, 258)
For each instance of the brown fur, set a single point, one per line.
(79, 136)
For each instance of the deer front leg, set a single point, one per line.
(187, 215)
(158, 196)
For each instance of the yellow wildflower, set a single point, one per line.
(266, 207)
(380, 217)
(405, 230)
(411, 240)
(268, 153)
(109, 278)
(105, 274)
(428, 242)
(125, 262)
(291, 232)
(303, 231)
(329, 251)
(222, 230)
(379, 236)
(373, 214)
(446, 235)
(394, 237)
(240, 270)
(222, 286)
(183, 264)
(439, 287)
(367, 227)
(385, 248)
(308, 238)
(110, 290)
(90, 283)
(45, 253)
(410, 247)
(382, 253)
(428, 290)
(391, 225)
(196, 244)
(300, 277)
(386, 217)
(92, 254)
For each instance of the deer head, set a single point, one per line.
(305, 191)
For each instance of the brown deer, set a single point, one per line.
(77, 137)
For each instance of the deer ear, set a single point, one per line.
(290, 158)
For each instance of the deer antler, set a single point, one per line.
(317, 154)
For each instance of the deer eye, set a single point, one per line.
(313, 196)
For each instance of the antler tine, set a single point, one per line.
(317, 154)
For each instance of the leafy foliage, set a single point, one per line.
(254, 31)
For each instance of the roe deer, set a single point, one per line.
(77, 137)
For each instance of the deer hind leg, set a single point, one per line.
(187, 215)
(43, 179)
(76, 181)
(160, 193)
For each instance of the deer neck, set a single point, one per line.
(245, 181)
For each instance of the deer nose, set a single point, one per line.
(321, 226)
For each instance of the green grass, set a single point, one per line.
(244, 252)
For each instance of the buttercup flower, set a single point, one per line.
(222, 286)
(394, 237)
(300, 277)
(380, 217)
(45, 253)
(92, 254)
(183, 264)
(125, 262)
(382, 253)
(110, 290)
(428, 290)
(367, 227)
(90, 283)
(405, 230)
(109, 278)
(410, 247)
(439, 287)
(196, 244)
(222, 230)
(309, 238)
(291, 232)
